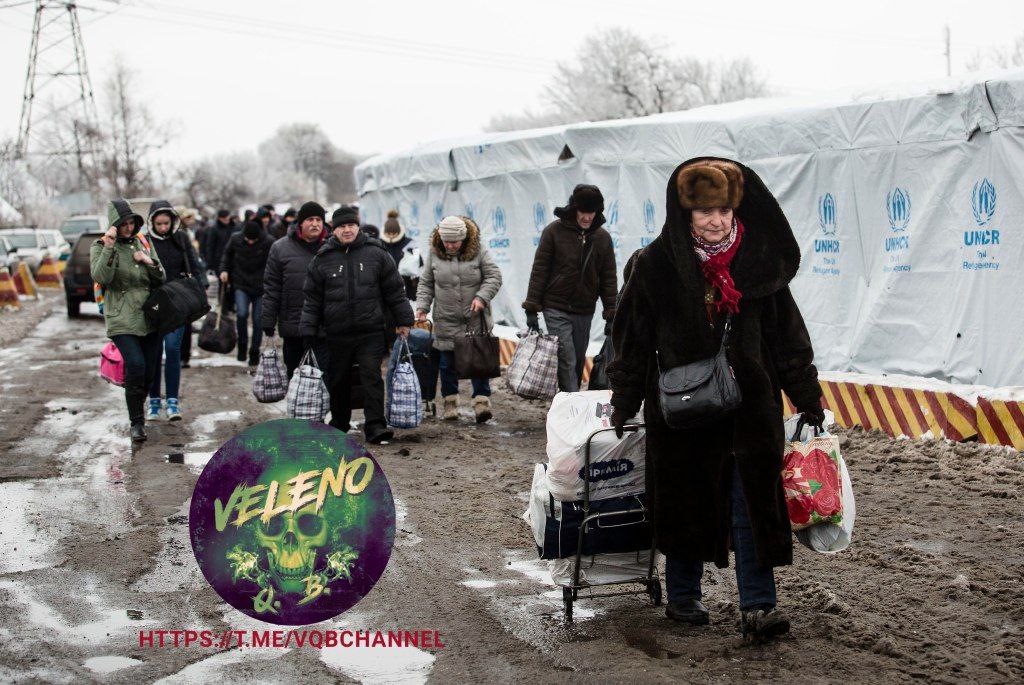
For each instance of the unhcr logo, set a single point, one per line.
(649, 216)
(613, 214)
(414, 213)
(469, 211)
(983, 201)
(438, 212)
(540, 215)
(827, 214)
(897, 204)
(500, 228)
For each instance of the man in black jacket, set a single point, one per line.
(245, 259)
(283, 280)
(348, 285)
(574, 267)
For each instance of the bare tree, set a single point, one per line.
(999, 57)
(305, 149)
(618, 74)
(132, 136)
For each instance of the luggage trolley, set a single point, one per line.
(651, 582)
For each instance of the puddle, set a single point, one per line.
(380, 665)
(109, 664)
(206, 424)
(534, 569)
(219, 360)
(480, 583)
(21, 531)
(648, 644)
(194, 460)
(174, 568)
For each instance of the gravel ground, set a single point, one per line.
(931, 589)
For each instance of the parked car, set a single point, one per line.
(29, 243)
(75, 226)
(56, 246)
(77, 277)
(9, 258)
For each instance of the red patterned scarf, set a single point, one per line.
(714, 263)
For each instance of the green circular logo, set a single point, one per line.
(292, 522)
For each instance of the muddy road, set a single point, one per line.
(96, 548)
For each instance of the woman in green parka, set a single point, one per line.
(128, 269)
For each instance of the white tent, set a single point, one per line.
(907, 204)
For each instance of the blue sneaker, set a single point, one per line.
(173, 412)
(153, 413)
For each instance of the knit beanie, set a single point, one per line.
(346, 214)
(451, 229)
(308, 211)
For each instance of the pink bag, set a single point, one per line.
(112, 365)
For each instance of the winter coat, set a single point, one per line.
(573, 267)
(348, 287)
(217, 237)
(246, 263)
(177, 255)
(127, 283)
(662, 310)
(396, 248)
(282, 282)
(451, 283)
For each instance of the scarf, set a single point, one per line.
(714, 263)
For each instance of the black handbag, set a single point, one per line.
(477, 355)
(697, 393)
(599, 371)
(175, 304)
(218, 333)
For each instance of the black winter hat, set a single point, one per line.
(346, 214)
(252, 230)
(223, 213)
(370, 230)
(308, 210)
(290, 213)
(587, 198)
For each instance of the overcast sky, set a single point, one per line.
(382, 76)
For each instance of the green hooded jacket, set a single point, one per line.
(127, 282)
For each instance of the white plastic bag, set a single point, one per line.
(616, 466)
(409, 266)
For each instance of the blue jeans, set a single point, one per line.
(172, 365)
(242, 302)
(141, 356)
(450, 379)
(756, 584)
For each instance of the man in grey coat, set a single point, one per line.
(460, 279)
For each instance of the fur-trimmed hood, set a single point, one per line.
(470, 245)
(769, 255)
(165, 207)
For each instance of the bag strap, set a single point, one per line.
(726, 329)
(800, 428)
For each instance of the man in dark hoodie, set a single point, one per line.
(217, 238)
(350, 282)
(174, 248)
(245, 259)
(282, 285)
(573, 267)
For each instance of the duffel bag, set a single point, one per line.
(218, 332)
(176, 304)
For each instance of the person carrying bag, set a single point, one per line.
(218, 332)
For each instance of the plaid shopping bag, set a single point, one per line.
(405, 408)
(270, 383)
(533, 373)
(307, 394)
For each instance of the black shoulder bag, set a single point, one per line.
(697, 393)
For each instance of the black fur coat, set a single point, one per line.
(662, 310)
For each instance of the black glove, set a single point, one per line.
(619, 419)
(269, 332)
(531, 322)
(814, 416)
(607, 328)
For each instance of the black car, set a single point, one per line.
(77, 276)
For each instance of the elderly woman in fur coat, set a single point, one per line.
(726, 250)
(460, 279)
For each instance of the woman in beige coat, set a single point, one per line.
(460, 279)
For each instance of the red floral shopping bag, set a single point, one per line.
(813, 482)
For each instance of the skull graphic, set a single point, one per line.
(292, 541)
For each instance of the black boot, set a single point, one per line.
(763, 623)
(690, 611)
(138, 432)
(377, 434)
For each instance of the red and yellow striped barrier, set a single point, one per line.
(1001, 423)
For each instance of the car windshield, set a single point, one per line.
(73, 227)
(22, 239)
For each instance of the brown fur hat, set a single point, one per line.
(710, 183)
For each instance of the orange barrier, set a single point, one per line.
(62, 265)
(8, 293)
(48, 275)
(23, 281)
